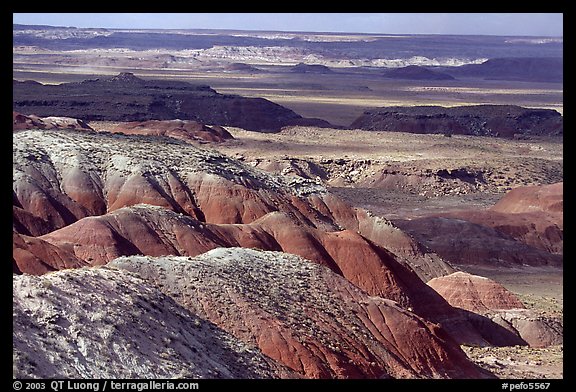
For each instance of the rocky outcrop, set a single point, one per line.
(133, 331)
(136, 99)
(305, 316)
(185, 130)
(478, 120)
(21, 121)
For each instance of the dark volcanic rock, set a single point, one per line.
(415, 72)
(478, 120)
(126, 97)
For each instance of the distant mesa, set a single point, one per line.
(126, 97)
(478, 120)
(126, 78)
(311, 68)
(415, 72)
(242, 68)
(530, 69)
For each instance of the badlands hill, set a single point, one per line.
(305, 316)
(86, 198)
(525, 227)
(63, 177)
(134, 331)
(136, 99)
(480, 295)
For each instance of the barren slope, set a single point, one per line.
(484, 296)
(304, 315)
(65, 328)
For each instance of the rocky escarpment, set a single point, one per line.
(137, 99)
(478, 120)
(63, 327)
(304, 316)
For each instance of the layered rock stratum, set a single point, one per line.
(475, 293)
(98, 201)
(85, 198)
(62, 177)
